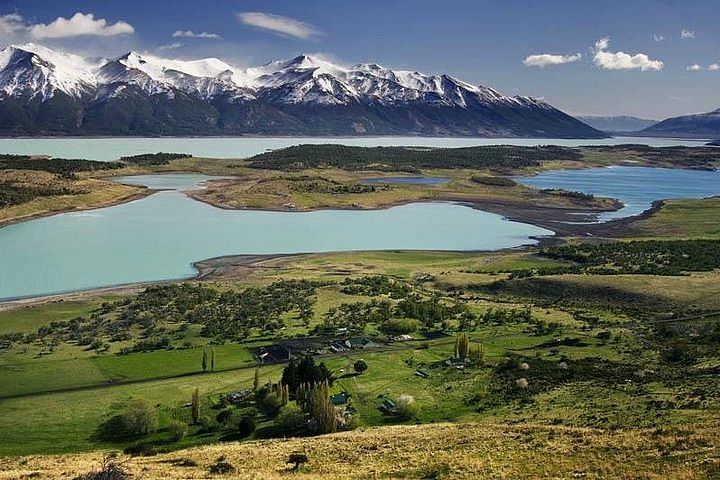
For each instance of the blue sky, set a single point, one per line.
(647, 68)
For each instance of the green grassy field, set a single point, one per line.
(97, 386)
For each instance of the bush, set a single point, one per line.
(406, 406)
(140, 449)
(360, 366)
(111, 469)
(221, 467)
(140, 418)
(290, 418)
(272, 402)
(178, 430)
(246, 426)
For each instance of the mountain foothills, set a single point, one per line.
(703, 125)
(46, 92)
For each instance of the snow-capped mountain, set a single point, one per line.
(45, 91)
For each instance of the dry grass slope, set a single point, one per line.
(430, 451)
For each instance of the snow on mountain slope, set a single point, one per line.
(36, 70)
(303, 79)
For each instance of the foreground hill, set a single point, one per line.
(701, 125)
(425, 451)
(43, 91)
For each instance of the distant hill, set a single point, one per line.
(47, 92)
(620, 123)
(700, 125)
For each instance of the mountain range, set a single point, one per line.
(47, 92)
(700, 125)
(620, 123)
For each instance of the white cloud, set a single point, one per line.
(602, 44)
(171, 46)
(658, 38)
(694, 68)
(621, 60)
(279, 24)
(191, 34)
(11, 23)
(687, 34)
(714, 67)
(77, 25)
(549, 59)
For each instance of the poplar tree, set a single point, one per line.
(195, 405)
(462, 346)
(204, 359)
(321, 408)
(256, 380)
(212, 359)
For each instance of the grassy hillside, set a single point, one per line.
(440, 451)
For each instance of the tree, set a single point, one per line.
(290, 418)
(195, 405)
(476, 354)
(212, 359)
(304, 370)
(360, 366)
(462, 345)
(204, 359)
(246, 426)
(139, 418)
(406, 406)
(177, 430)
(256, 380)
(297, 459)
(322, 410)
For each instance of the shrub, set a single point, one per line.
(221, 467)
(140, 418)
(246, 426)
(360, 366)
(272, 402)
(111, 469)
(406, 406)
(140, 449)
(290, 418)
(178, 430)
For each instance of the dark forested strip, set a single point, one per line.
(60, 166)
(651, 257)
(409, 158)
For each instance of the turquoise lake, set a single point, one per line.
(240, 147)
(158, 237)
(636, 187)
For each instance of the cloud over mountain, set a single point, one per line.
(279, 24)
(550, 59)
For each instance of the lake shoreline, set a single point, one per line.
(146, 192)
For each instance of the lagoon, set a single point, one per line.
(112, 148)
(160, 236)
(636, 187)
